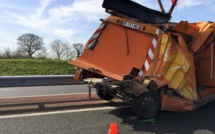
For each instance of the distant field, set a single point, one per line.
(23, 67)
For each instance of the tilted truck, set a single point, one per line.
(138, 55)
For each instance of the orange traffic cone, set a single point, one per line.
(113, 128)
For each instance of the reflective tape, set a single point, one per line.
(149, 56)
(95, 35)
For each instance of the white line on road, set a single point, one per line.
(60, 112)
(6, 89)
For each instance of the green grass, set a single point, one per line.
(23, 67)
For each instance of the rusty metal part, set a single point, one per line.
(138, 88)
(176, 104)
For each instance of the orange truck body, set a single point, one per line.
(174, 59)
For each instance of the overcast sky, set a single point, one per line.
(75, 20)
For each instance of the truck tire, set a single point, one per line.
(134, 105)
(147, 105)
(104, 96)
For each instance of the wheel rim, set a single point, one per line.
(148, 104)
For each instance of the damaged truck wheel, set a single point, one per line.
(103, 95)
(147, 105)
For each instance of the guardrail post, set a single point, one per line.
(89, 92)
(90, 85)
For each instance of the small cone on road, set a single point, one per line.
(113, 128)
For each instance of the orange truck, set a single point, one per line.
(138, 55)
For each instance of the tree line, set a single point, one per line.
(32, 46)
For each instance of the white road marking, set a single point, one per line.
(59, 112)
(7, 89)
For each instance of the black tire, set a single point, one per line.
(148, 104)
(134, 105)
(104, 96)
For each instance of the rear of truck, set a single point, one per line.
(151, 63)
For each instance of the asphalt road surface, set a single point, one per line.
(43, 90)
(97, 121)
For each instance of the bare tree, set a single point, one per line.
(77, 50)
(1, 55)
(30, 43)
(42, 54)
(7, 53)
(18, 54)
(68, 50)
(58, 48)
(73, 50)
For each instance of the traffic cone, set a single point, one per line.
(113, 128)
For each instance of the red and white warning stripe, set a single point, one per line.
(149, 56)
(78, 69)
(95, 35)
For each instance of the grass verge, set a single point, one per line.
(23, 67)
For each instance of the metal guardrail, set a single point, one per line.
(13, 81)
